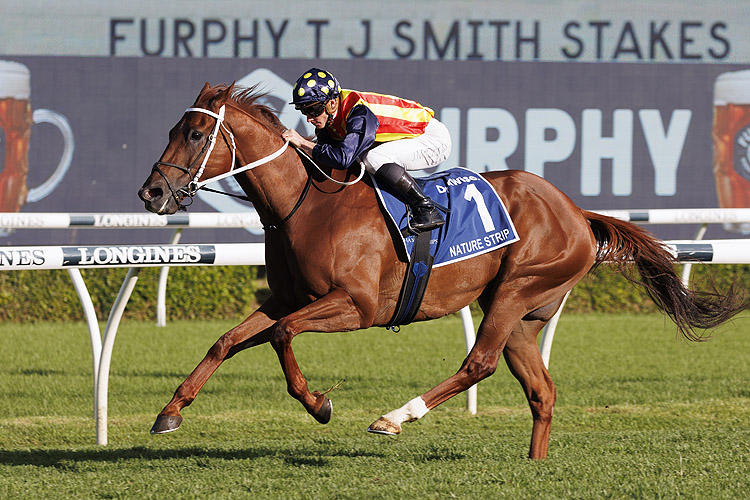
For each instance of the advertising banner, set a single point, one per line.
(632, 105)
(611, 136)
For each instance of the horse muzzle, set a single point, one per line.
(157, 200)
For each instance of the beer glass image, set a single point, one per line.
(731, 138)
(16, 120)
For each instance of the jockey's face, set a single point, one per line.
(319, 114)
(319, 121)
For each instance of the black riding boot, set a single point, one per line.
(426, 216)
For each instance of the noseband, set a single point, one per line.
(195, 183)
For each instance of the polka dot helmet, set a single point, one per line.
(315, 85)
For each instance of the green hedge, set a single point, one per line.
(235, 291)
(605, 290)
(192, 293)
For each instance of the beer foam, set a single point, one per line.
(14, 80)
(732, 87)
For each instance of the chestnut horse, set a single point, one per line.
(332, 265)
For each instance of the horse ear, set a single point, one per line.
(206, 87)
(222, 96)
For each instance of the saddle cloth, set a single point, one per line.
(477, 223)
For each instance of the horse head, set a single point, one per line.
(185, 160)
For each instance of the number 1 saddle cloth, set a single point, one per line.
(477, 221)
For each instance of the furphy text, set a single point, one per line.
(515, 39)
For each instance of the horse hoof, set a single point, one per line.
(166, 423)
(323, 414)
(384, 426)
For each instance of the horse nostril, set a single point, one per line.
(150, 194)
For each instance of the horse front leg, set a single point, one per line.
(254, 330)
(334, 312)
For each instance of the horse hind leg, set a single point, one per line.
(479, 364)
(525, 363)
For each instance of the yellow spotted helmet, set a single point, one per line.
(315, 85)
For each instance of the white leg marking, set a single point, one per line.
(411, 411)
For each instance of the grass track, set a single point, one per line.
(640, 414)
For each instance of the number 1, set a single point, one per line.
(472, 193)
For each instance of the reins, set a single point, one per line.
(195, 184)
(340, 183)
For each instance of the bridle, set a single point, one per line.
(196, 183)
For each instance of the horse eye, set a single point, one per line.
(195, 135)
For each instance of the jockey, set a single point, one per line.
(388, 134)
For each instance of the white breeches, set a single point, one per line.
(416, 153)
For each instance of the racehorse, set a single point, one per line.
(332, 265)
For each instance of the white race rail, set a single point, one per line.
(125, 220)
(702, 216)
(134, 257)
(133, 220)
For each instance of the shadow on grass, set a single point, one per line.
(44, 373)
(62, 459)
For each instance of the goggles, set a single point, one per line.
(313, 110)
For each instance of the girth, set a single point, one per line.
(415, 282)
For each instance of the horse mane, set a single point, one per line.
(245, 98)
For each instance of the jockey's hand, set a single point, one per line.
(295, 139)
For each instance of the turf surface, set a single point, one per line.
(640, 414)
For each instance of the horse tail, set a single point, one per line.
(646, 261)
